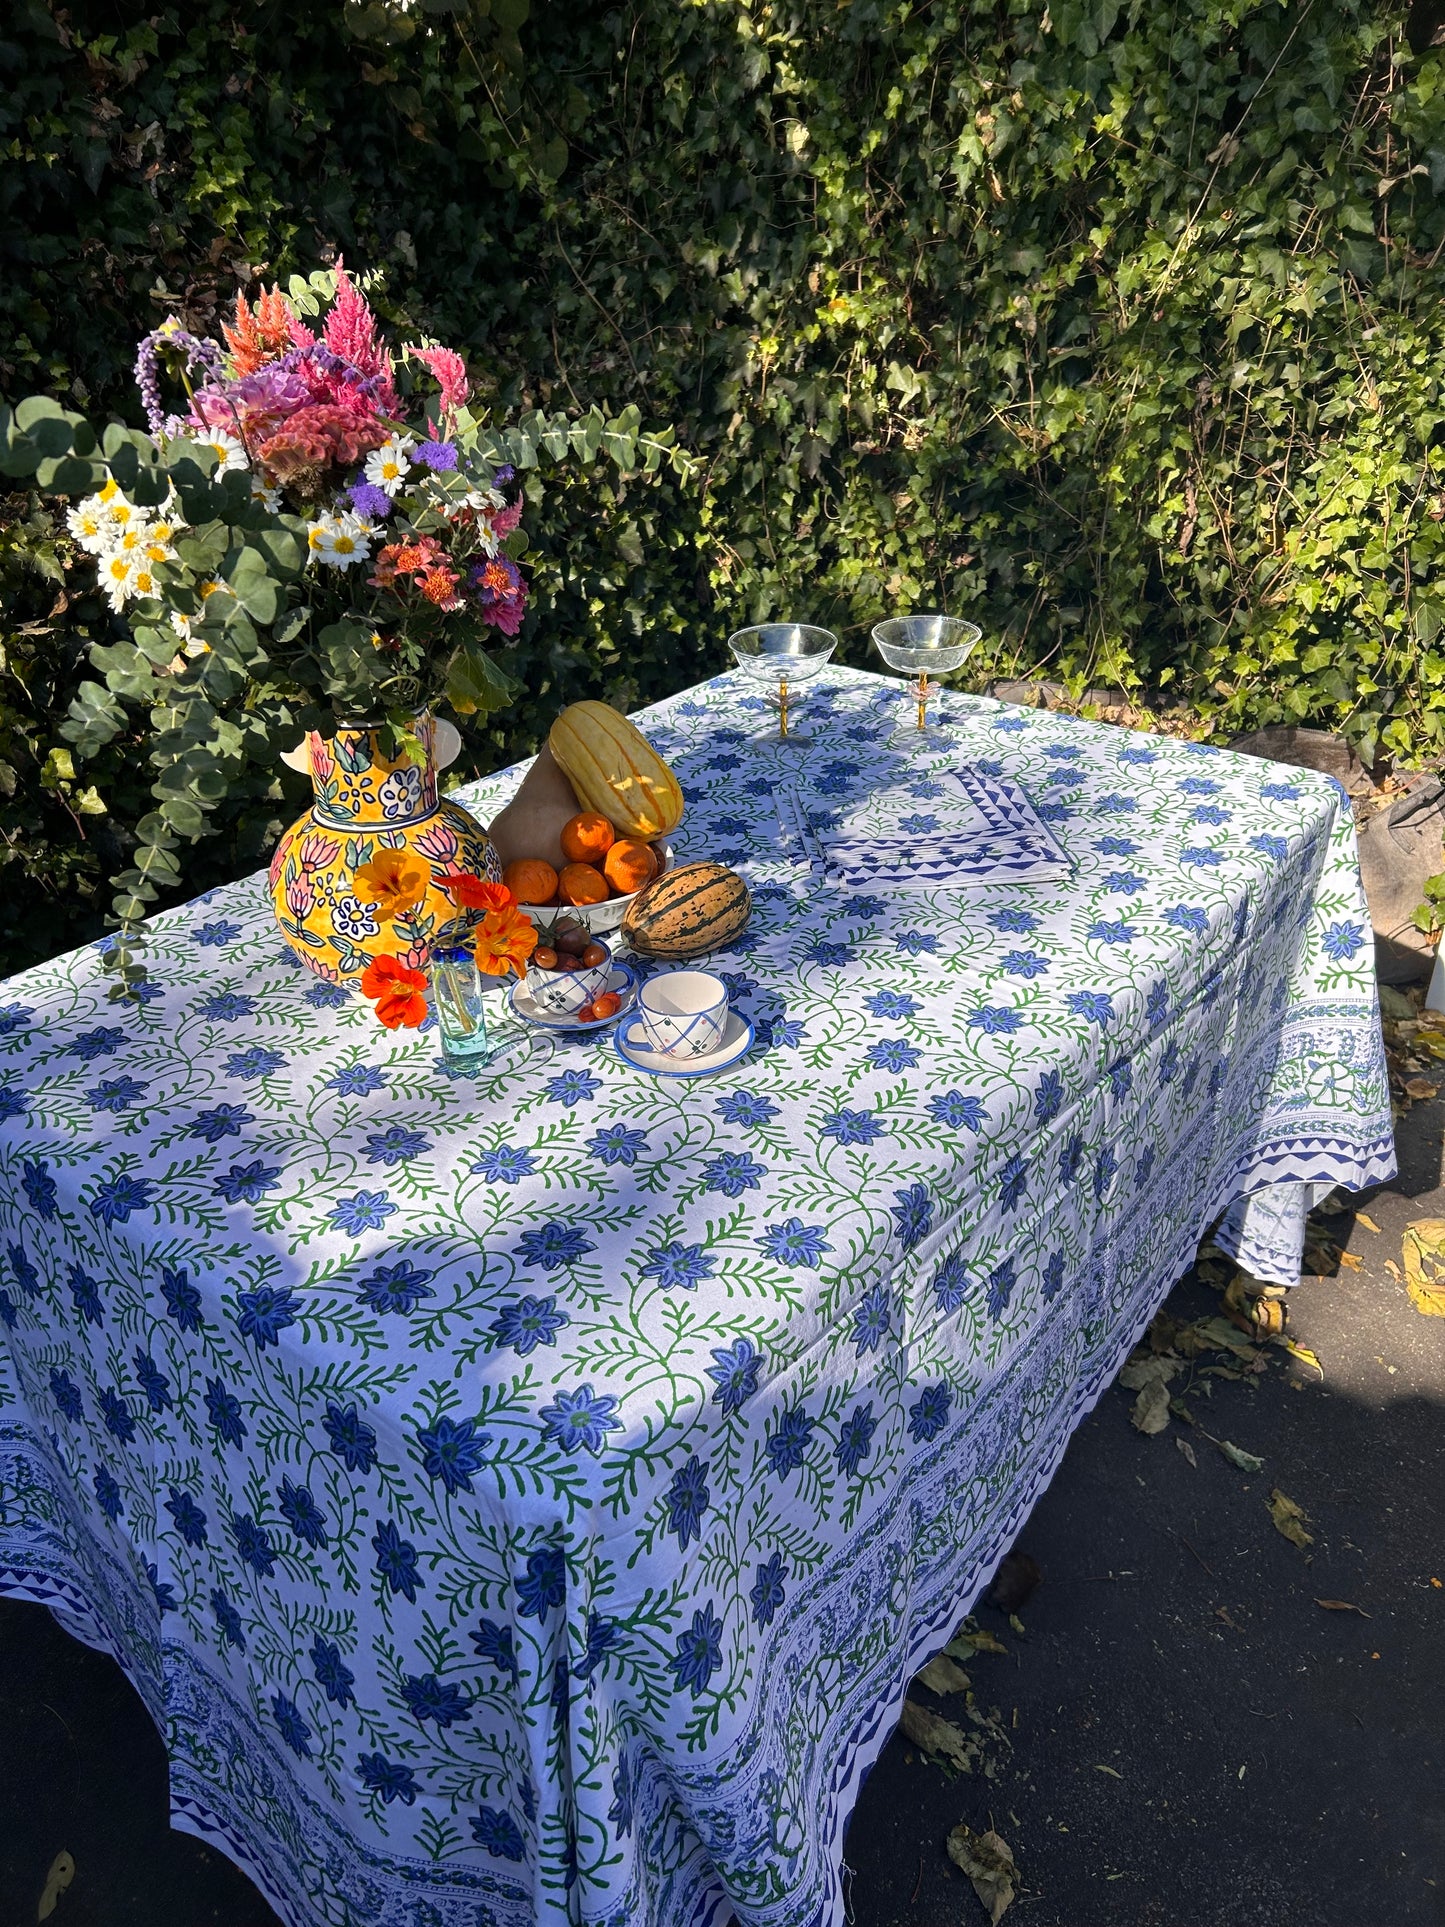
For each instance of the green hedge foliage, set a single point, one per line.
(1118, 327)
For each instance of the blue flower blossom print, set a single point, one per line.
(39, 1187)
(85, 1295)
(248, 1183)
(699, 1651)
(498, 1832)
(389, 1779)
(529, 1322)
(428, 1698)
(912, 1214)
(115, 1094)
(250, 1065)
(733, 1173)
(928, 1414)
(950, 1282)
(1024, 963)
(66, 1394)
(1048, 1097)
(397, 1145)
(1016, 922)
(223, 1120)
(188, 1517)
(543, 1586)
(107, 1493)
(396, 1560)
(745, 1107)
(1116, 846)
(215, 936)
(787, 1445)
(573, 1087)
(265, 1313)
(795, 1243)
(153, 1382)
(294, 1730)
(398, 1288)
(1013, 1182)
(356, 1080)
(959, 1110)
(253, 1544)
(769, 1590)
(350, 1437)
(554, 1245)
(227, 1007)
(852, 1127)
(223, 1409)
(1107, 931)
(1127, 883)
(916, 943)
(117, 1201)
(328, 996)
(686, 1500)
(616, 1144)
(302, 1514)
(1187, 916)
(893, 1054)
(734, 1371)
(507, 1164)
(1052, 1281)
(104, 1041)
(333, 1675)
(1001, 1281)
(579, 1421)
(1342, 941)
(855, 1437)
(895, 1005)
(678, 1266)
(1274, 847)
(1095, 1005)
(366, 1211)
(872, 1320)
(452, 1450)
(995, 1020)
(497, 1646)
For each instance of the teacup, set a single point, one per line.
(684, 1012)
(562, 993)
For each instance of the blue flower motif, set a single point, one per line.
(367, 1211)
(794, 1243)
(396, 1560)
(66, 1394)
(1270, 846)
(1054, 812)
(1001, 1281)
(224, 1409)
(496, 1831)
(893, 1054)
(397, 1288)
(1341, 940)
(8, 1312)
(950, 1283)
(1217, 1077)
(257, 1062)
(1138, 753)
(916, 943)
(1116, 846)
(1127, 882)
(686, 1500)
(152, 1382)
(732, 1173)
(356, 1080)
(103, 1041)
(1024, 963)
(350, 1437)
(227, 1005)
(851, 1127)
(872, 1320)
(396, 1145)
(994, 1020)
(527, 1323)
(745, 1107)
(118, 1420)
(428, 1699)
(215, 936)
(553, 1245)
(1169, 1063)
(333, 1675)
(85, 1291)
(229, 1620)
(779, 1033)
(787, 1446)
(928, 1414)
(327, 996)
(1016, 923)
(1071, 1159)
(820, 952)
(1121, 1077)
(616, 1144)
(14, 1017)
(1210, 813)
(1280, 792)
(1048, 1097)
(1011, 725)
(248, 1183)
(1156, 1012)
(543, 1587)
(115, 1200)
(39, 1187)
(1053, 1277)
(1143, 1167)
(1095, 1005)
(495, 1643)
(1107, 932)
(768, 1590)
(253, 1544)
(1186, 1084)
(1013, 1182)
(451, 1452)
(116, 1094)
(1198, 786)
(958, 1110)
(738, 985)
(699, 1651)
(389, 1778)
(507, 1164)
(1202, 857)
(26, 1276)
(677, 1264)
(302, 1514)
(265, 1314)
(894, 1004)
(580, 1421)
(734, 1371)
(1105, 1165)
(1187, 917)
(294, 1730)
(189, 1518)
(855, 1436)
(912, 1213)
(224, 1121)
(572, 1087)
(1070, 752)
(107, 1494)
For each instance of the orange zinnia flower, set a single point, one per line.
(504, 942)
(470, 892)
(393, 882)
(398, 993)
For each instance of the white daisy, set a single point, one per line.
(142, 582)
(386, 467)
(116, 573)
(267, 494)
(339, 541)
(86, 522)
(228, 451)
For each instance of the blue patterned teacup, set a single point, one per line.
(684, 1012)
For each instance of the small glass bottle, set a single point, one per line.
(457, 999)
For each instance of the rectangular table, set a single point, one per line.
(526, 1499)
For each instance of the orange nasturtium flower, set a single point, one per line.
(393, 882)
(398, 992)
(505, 940)
(470, 892)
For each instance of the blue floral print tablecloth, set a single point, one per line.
(525, 1500)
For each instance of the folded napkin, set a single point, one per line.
(950, 827)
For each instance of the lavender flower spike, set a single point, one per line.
(201, 357)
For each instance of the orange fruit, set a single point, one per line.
(587, 838)
(530, 880)
(581, 883)
(629, 865)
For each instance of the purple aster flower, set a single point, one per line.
(440, 457)
(368, 499)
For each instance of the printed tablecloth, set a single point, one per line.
(524, 1500)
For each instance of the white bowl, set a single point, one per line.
(598, 918)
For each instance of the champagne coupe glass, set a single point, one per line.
(782, 654)
(923, 646)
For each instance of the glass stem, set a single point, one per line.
(922, 693)
(783, 707)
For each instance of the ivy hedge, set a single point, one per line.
(1118, 327)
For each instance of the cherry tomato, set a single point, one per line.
(607, 1005)
(543, 958)
(587, 1014)
(572, 938)
(593, 955)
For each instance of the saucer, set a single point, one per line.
(619, 978)
(629, 1040)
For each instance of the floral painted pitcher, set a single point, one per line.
(366, 802)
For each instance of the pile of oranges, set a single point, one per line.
(600, 864)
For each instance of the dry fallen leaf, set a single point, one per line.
(1143, 1369)
(1342, 1606)
(62, 1872)
(1188, 1450)
(1289, 1519)
(939, 1737)
(1424, 1252)
(1246, 1461)
(1420, 1087)
(1304, 1354)
(941, 1676)
(1150, 1411)
(1112, 1771)
(970, 1639)
(989, 1864)
(1364, 1218)
(1350, 1261)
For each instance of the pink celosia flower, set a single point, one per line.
(351, 332)
(451, 374)
(315, 437)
